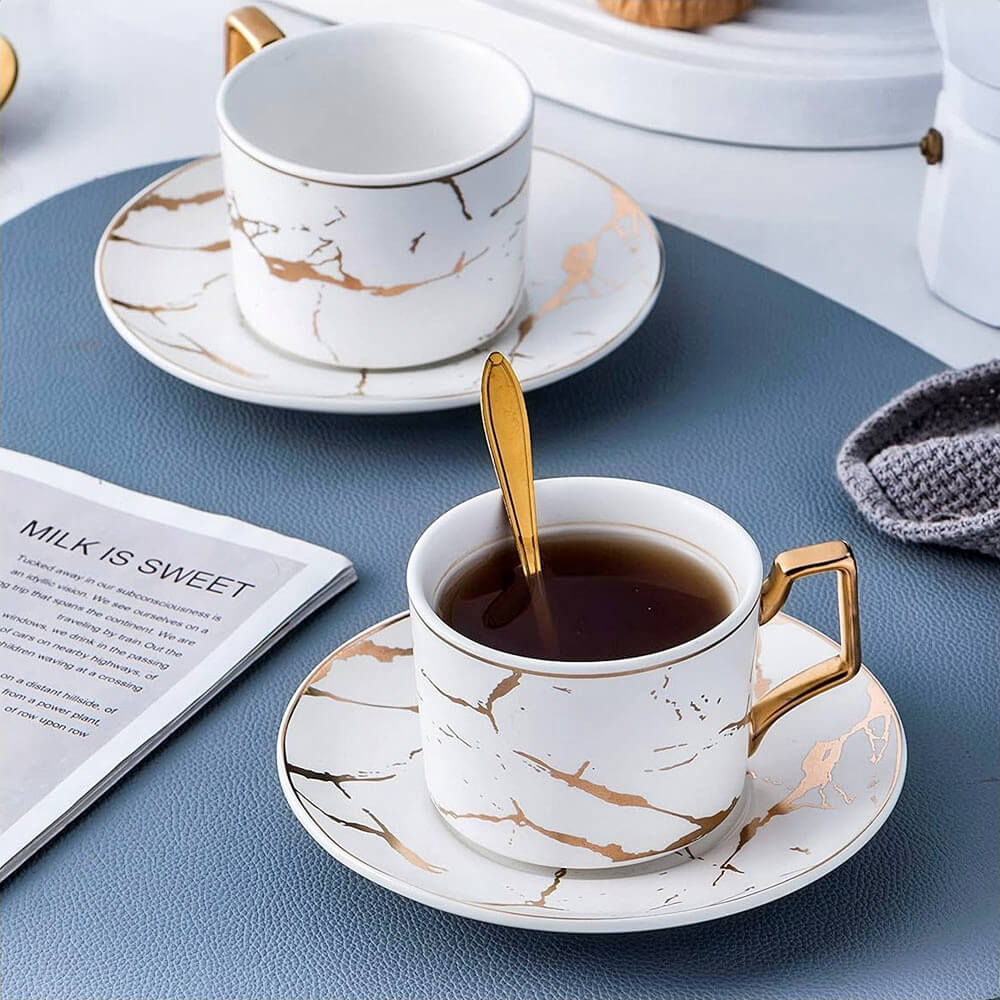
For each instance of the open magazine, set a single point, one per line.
(120, 616)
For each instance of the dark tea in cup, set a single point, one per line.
(603, 594)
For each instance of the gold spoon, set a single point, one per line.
(505, 421)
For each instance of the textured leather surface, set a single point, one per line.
(192, 879)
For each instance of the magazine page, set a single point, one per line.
(119, 615)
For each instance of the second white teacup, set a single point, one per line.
(377, 183)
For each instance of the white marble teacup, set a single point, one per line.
(377, 182)
(608, 763)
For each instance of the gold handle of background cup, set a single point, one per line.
(248, 30)
(826, 557)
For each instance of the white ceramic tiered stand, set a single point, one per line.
(959, 237)
(797, 73)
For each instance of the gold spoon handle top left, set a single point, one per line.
(505, 421)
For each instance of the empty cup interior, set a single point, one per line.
(375, 103)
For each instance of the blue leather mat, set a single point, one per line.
(192, 879)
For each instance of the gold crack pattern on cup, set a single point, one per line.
(510, 201)
(731, 727)
(485, 708)
(449, 732)
(761, 684)
(304, 270)
(315, 327)
(453, 184)
(503, 322)
(670, 767)
(515, 230)
(613, 852)
(578, 781)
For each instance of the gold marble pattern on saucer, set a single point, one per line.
(819, 787)
(594, 264)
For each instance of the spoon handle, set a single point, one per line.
(505, 421)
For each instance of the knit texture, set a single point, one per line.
(926, 467)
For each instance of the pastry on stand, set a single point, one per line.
(686, 14)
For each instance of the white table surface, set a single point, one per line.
(111, 84)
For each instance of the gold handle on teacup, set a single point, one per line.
(826, 557)
(248, 30)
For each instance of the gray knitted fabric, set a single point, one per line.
(926, 467)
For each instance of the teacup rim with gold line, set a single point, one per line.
(249, 31)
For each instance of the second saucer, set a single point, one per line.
(594, 264)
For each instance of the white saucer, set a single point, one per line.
(822, 783)
(594, 265)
